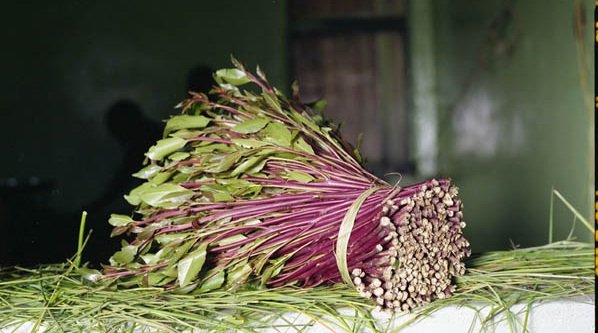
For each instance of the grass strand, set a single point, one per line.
(57, 293)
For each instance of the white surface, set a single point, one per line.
(557, 316)
(562, 316)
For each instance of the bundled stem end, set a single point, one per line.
(422, 250)
(253, 188)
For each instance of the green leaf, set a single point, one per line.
(319, 105)
(213, 282)
(358, 156)
(268, 151)
(179, 252)
(166, 195)
(167, 238)
(272, 101)
(186, 290)
(170, 271)
(134, 197)
(221, 162)
(147, 247)
(277, 133)
(158, 257)
(89, 274)
(185, 134)
(251, 126)
(301, 145)
(124, 256)
(239, 274)
(358, 148)
(260, 73)
(146, 233)
(257, 167)
(247, 165)
(184, 122)
(249, 143)
(189, 267)
(231, 239)
(180, 178)
(305, 120)
(147, 172)
(157, 279)
(165, 147)
(178, 156)
(119, 219)
(188, 171)
(134, 281)
(150, 258)
(161, 177)
(216, 193)
(231, 75)
(251, 191)
(290, 156)
(230, 87)
(274, 269)
(299, 176)
(211, 147)
(183, 219)
(240, 187)
(117, 231)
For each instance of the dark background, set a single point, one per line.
(494, 94)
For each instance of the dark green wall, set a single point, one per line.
(505, 89)
(512, 117)
(64, 63)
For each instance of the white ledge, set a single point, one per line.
(567, 315)
(557, 316)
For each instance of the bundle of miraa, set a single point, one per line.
(249, 187)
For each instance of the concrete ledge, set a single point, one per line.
(568, 315)
(558, 316)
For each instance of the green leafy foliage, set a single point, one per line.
(249, 143)
(212, 282)
(299, 176)
(251, 126)
(124, 256)
(119, 220)
(217, 193)
(184, 122)
(189, 266)
(166, 195)
(233, 76)
(134, 197)
(278, 134)
(215, 152)
(165, 147)
(262, 182)
(147, 172)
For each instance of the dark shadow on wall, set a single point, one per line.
(135, 133)
(61, 75)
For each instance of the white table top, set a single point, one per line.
(559, 316)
